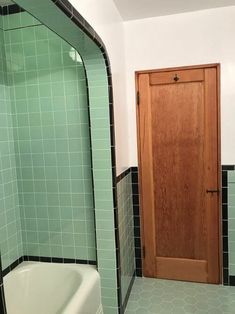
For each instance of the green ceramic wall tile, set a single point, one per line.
(232, 188)
(231, 176)
(50, 140)
(231, 224)
(231, 210)
(45, 84)
(231, 199)
(126, 232)
(10, 236)
(109, 302)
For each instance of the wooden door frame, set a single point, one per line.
(147, 267)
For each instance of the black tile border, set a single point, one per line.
(136, 215)
(227, 279)
(228, 167)
(10, 9)
(3, 309)
(125, 301)
(232, 280)
(128, 292)
(45, 259)
(123, 174)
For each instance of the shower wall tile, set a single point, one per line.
(22, 19)
(10, 227)
(52, 143)
(103, 158)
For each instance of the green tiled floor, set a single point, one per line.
(154, 296)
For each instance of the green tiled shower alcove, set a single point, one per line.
(58, 163)
(52, 146)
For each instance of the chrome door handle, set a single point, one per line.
(212, 191)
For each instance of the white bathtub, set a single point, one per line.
(47, 288)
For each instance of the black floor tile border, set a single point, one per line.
(227, 279)
(45, 259)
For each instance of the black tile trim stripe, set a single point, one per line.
(136, 215)
(123, 175)
(1, 280)
(228, 167)
(232, 280)
(2, 296)
(128, 293)
(124, 304)
(227, 279)
(3, 309)
(46, 259)
(66, 7)
(10, 9)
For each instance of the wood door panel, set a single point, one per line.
(178, 148)
(182, 76)
(181, 269)
(178, 130)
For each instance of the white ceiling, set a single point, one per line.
(5, 2)
(139, 9)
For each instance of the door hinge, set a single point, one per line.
(138, 98)
(143, 251)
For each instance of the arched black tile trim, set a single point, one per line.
(10, 9)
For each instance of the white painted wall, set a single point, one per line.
(104, 17)
(185, 39)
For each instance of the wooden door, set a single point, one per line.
(178, 129)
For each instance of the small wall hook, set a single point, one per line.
(176, 78)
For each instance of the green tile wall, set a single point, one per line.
(103, 184)
(126, 232)
(52, 141)
(99, 102)
(231, 221)
(10, 227)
